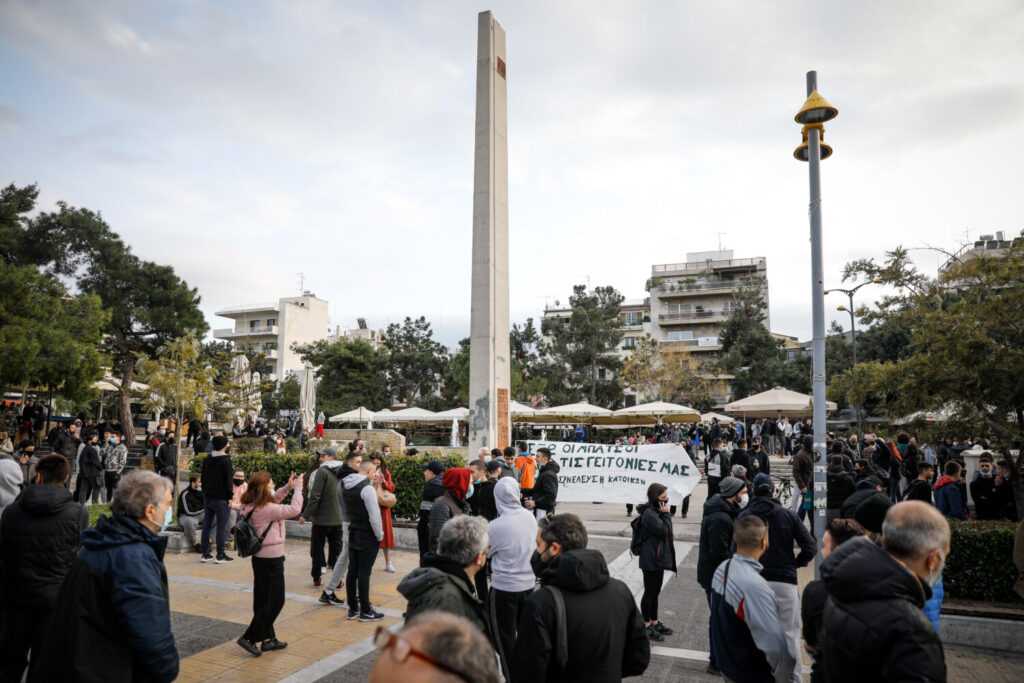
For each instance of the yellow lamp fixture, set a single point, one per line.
(802, 153)
(816, 110)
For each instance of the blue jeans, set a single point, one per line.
(215, 514)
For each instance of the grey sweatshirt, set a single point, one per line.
(513, 537)
(369, 496)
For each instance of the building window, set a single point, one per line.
(632, 317)
(680, 336)
(680, 308)
(731, 306)
(629, 342)
(271, 322)
(253, 324)
(602, 373)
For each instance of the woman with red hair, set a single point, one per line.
(457, 487)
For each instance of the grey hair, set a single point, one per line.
(135, 491)
(739, 471)
(454, 642)
(913, 529)
(462, 539)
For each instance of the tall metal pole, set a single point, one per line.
(853, 343)
(818, 319)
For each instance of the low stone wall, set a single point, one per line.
(996, 636)
(373, 439)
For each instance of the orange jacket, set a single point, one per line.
(526, 465)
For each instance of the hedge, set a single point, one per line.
(407, 473)
(980, 564)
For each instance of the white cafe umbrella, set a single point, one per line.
(520, 412)
(307, 399)
(724, 419)
(248, 395)
(571, 412)
(649, 413)
(774, 403)
(460, 414)
(359, 415)
(404, 416)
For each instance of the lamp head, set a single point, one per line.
(816, 110)
(841, 308)
(802, 153)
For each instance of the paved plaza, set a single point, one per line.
(212, 605)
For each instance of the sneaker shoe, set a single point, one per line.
(221, 559)
(653, 634)
(197, 548)
(330, 599)
(248, 646)
(713, 670)
(372, 615)
(353, 613)
(316, 583)
(206, 557)
(273, 644)
(389, 568)
(663, 630)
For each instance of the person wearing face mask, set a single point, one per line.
(456, 482)
(657, 556)
(115, 457)
(191, 510)
(779, 565)
(983, 489)
(115, 609)
(445, 580)
(40, 532)
(91, 469)
(874, 628)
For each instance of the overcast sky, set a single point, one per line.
(246, 142)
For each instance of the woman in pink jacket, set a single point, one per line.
(268, 562)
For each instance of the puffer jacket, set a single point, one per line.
(948, 498)
(39, 539)
(441, 584)
(715, 538)
(115, 624)
(874, 628)
(659, 550)
(445, 507)
(784, 528)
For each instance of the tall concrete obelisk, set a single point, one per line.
(489, 422)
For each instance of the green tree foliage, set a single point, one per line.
(966, 351)
(49, 339)
(349, 374)
(581, 348)
(660, 372)
(838, 351)
(287, 395)
(455, 387)
(525, 344)
(755, 358)
(415, 362)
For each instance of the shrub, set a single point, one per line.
(247, 444)
(407, 475)
(980, 563)
(279, 467)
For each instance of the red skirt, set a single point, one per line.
(389, 533)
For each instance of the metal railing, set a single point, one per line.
(695, 315)
(698, 266)
(724, 285)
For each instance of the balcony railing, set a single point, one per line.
(721, 285)
(700, 266)
(232, 333)
(696, 315)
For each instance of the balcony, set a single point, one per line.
(694, 316)
(694, 345)
(700, 288)
(702, 266)
(232, 333)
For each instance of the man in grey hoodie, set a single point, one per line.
(340, 569)
(365, 533)
(513, 537)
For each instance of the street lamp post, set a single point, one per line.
(853, 339)
(813, 114)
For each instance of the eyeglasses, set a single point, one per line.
(401, 650)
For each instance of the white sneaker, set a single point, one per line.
(389, 568)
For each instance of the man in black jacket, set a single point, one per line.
(839, 485)
(90, 468)
(874, 627)
(191, 510)
(758, 458)
(40, 534)
(545, 487)
(865, 488)
(218, 489)
(605, 636)
(484, 491)
(803, 475)
(432, 490)
(716, 539)
(740, 456)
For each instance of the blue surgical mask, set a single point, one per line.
(985, 474)
(112, 440)
(469, 493)
(167, 519)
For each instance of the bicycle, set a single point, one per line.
(784, 490)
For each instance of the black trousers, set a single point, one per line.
(333, 535)
(20, 633)
(423, 533)
(653, 578)
(111, 479)
(267, 597)
(357, 583)
(506, 608)
(216, 517)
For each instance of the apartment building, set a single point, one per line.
(274, 327)
(374, 338)
(990, 245)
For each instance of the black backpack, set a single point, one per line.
(636, 543)
(246, 541)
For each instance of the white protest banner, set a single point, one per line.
(607, 473)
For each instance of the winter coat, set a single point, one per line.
(742, 457)
(983, 491)
(115, 624)
(165, 460)
(115, 457)
(445, 507)
(90, 463)
(545, 489)
(39, 539)
(784, 528)
(484, 499)
(322, 507)
(864, 491)
(803, 469)
(606, 638)
(513, 540)
(874, 627)
(948, 499)
(659, 550)
(918, 490)
(190, 502)
(762, 465)
(812, 610)
(217, 476)
(840, 487)
(715, 537)
(272, 515)
(441, 584)
(433, 490)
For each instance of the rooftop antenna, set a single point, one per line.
(720, 239)
(302, 282)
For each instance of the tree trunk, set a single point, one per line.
(125, 409)
(593, 381)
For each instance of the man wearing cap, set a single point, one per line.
(865, 488)
(218, 488)
(716, 539)
(322, 508)
(433, 490)
(778, 563)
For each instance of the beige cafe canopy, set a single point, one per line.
(405, 416)
(724, 419)
(572, 412)
(520, 412)
(649, 413)
(773, 403)
(359, 415)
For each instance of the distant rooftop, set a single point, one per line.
(249, 308)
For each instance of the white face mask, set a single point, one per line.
(744, 499)
(935, 575)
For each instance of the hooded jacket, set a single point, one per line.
(864, 490)
(365, 523)
(217, 474)
(11, 481)
(322, 507)
(441, 584)
(715, 537)
(874, 627)
(784, 528)
(40, 538)
(659, 550)
(115, 624)
(948, 498)
(606, 637)
(453, 502)
(840, 486)
(513, 537)
(545, 488)
(526, 466)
